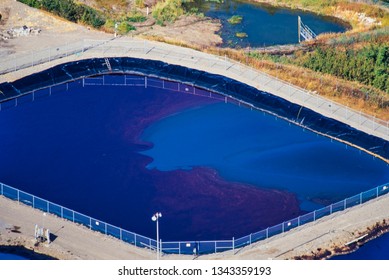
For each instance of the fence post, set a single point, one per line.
(121, 234)
(250, 238)
(2, 188)
(47, 206)
(215, 246)
(314, 215)
(18, 195)
(73, 216)
(298, 221)
(33, 201)
(135, 240)
(90, 223)
(179, 248)
(62, 212)
(330, 209)
(344, 204)
(376, 191)
(360, 198)
(267, 233)
(283, 227)
(233, 245)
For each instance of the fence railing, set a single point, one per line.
(187, 247)
(202, 61)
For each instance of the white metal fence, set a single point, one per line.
(186, 247)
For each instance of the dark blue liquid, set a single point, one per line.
(264, 25)
(377, 249)
(216, 171)
(6, 256)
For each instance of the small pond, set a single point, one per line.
(264, 25)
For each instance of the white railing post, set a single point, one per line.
(233, 245)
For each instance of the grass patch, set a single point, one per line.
(235, 19)
(168, 11)
(136, 16)
(241, 35)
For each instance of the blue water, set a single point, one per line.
(264, 25)
(88, 148)
(248, 146)
(377, 249)
(6, 256)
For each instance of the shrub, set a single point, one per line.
(124, 27)
(235, 19)
(168, 11)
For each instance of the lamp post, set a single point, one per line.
(155, 218)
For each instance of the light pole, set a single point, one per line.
(155, 218)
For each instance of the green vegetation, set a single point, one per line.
(140, 3)
(124, 27)
(167, 11)
(235, 19)
(69, 10)
(136, 16)
(369, 65)
(241, 35)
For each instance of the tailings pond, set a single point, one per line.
(215, 170)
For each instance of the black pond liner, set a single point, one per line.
(216, 83)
